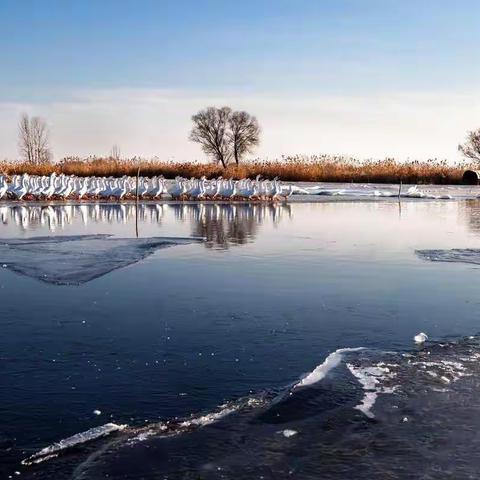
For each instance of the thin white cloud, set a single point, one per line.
(156, 122)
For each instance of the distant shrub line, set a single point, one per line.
(297, 168)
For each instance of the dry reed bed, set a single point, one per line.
(304, 169)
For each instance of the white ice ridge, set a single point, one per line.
(70, 442)
(209, 418)
(328, 364)
(225, 409)
(175, 427)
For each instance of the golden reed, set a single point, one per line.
(296, 168)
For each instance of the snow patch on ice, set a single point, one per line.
(446, 370)
(370, 379)
(369, 191)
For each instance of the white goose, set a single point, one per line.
(22, 189)
(3, 186)
(177, 189)
(50, 190)
(121, 190)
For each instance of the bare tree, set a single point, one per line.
(244, 134)
(33, 140)
(25, 143)
(41, 143)
(115, 152)
(210, 130)
(471, 147)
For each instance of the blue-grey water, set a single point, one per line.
(99, 326)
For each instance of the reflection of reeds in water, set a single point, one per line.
(470, 212)
(220, 224)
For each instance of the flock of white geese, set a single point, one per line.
(62, 187)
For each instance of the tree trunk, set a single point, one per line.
(235, 153)
(222, 160)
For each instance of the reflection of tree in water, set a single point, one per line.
(221, 225)
(470, 212)
(225, 224)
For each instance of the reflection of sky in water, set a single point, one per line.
(336, 226)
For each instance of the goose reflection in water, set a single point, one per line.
(57, 217)
(221, 225)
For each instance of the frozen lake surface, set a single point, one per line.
(266, 341)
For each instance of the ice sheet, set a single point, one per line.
(73, 260)
(456, 255)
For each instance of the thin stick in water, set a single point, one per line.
(136, 202)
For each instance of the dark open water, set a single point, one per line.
(200, 345)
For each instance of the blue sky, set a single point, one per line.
(286, 51)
